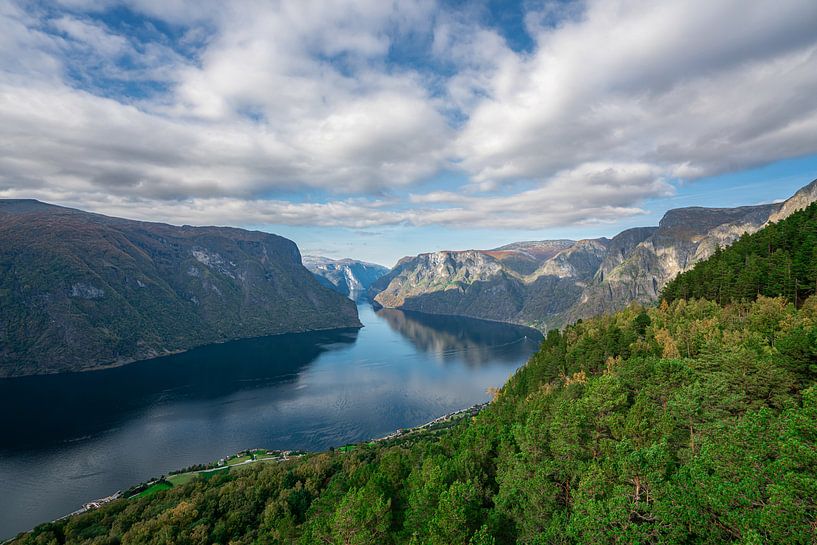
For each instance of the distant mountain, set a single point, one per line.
(491, 284)
(526, 257)
(344, 275)
(81, 291)
(550, 283)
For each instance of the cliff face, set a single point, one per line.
(492, 284)
(684, 236)
(345, 276)
(551, 283)
(82, 290)
(468, 283)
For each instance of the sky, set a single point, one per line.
(374, 129)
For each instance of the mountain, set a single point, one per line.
(526, 257)
(344, 275)
(491, 284)
(777, 261)
(82, 291)
(547, 284)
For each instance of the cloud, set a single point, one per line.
(262, 110)
(694, 88)
(590, 194)
(257, 113)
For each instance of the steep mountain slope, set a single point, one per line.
(684, 237)
(678, 424)
(82, 290)
(550, 283)
(526, 257)
(777, 261)
(491, 284)
(344, 275)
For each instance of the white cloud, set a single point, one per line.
(283, 100)
(260, 112)
(695, 88)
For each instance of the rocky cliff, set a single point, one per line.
(550, 283)
(81, 291)
(491, 284)
(346, 276)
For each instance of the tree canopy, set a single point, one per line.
(779, 260)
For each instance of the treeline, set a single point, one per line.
(779, 260)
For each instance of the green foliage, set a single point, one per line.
(690, 423)
(687, 423)
(779, 260)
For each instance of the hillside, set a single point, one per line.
(81, 291)
(552, 283)
(684, 423)
(778, 261)
(345, 276)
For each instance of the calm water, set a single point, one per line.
(66, 439)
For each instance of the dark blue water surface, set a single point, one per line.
(66, 439)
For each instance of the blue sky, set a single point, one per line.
(374, 129)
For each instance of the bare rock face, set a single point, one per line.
(804, 197)
(526, 257)
(346, 276)
(524, 283)
(551, 283)
(579, 261)
(80, 291)
(683, 237)
(461, 283)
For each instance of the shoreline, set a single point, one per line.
(541, 332)
(283, 455)
(128, 361)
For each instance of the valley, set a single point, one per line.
(692, 418)
(346, 276)
(417, 272)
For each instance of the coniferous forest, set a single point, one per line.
(694, 421)
(779, 260)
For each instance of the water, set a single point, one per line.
(66, 439)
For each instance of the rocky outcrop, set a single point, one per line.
(491, 284)
(81, 291)
(468, 283)
(346, 276)
(550, 283)
(684, 237)
(526, 257)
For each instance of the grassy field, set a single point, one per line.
(182, 478)
(238, 460)
(152, 489)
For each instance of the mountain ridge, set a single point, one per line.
(83, 290)
(576, 279)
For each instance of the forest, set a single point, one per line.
(693, 421)
(778, 260)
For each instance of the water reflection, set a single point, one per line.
(95, 401)
(457, 338)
